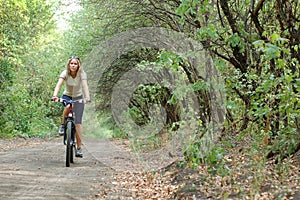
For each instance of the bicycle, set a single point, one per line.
(69, 138)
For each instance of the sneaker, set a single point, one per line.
(61, 130)
(79, 152)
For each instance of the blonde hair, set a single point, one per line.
(79, 70)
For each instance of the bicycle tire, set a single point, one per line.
(69, 146)
(73, 149)
(72, 153)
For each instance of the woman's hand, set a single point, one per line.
(86, 100)
(55, 98)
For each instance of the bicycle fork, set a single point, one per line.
(73, 127)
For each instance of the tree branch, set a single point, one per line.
(239, 60)
(254, 17)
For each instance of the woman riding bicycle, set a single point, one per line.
(76, 80)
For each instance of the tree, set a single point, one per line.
(255, 44)
(22, 77)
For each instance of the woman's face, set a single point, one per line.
(73, 65)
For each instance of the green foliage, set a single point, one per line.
(262, 86)
(170, 60)
(6, 74)
(6, 77)
(143, 99)
(28, 68)
(207, 32)
(187, 7)
(23, 113)
(26, 108)
(213, 157)
(20, 29)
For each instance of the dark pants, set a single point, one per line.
(78, 108)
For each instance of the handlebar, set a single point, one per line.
(66, 101)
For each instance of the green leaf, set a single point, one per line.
(274, 37)
(258, 43)
(272, 51)
(234, 40)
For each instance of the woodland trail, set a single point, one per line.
(36, 170)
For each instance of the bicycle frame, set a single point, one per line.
(69, 138)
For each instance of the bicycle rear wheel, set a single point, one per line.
(69, 145)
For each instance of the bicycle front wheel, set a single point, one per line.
(69, 145)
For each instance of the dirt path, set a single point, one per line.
(37, 171)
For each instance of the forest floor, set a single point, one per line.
(35, 169)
